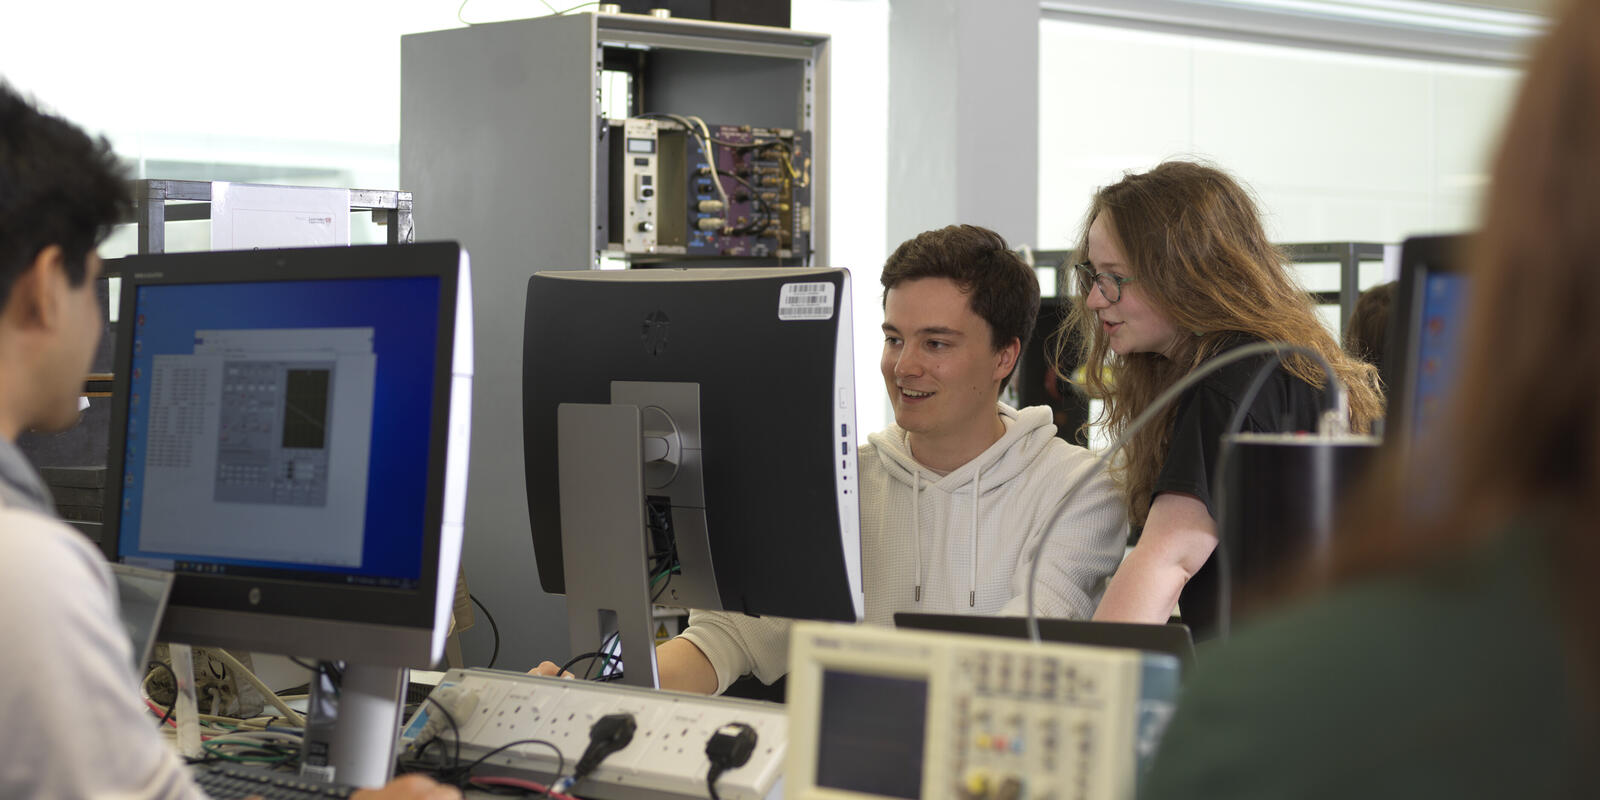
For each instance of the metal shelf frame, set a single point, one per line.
(1348, 255)
(157, 202)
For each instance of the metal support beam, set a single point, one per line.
(963, 117)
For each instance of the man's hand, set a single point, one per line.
(549, 670)
(410, 787)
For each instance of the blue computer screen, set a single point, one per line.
(273, 425)
(1438, 359)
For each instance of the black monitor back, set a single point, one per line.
(771, 397)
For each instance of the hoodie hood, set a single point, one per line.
(1028, 433)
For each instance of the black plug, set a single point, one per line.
(609, 734)
(729, 748)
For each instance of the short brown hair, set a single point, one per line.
(1000, 286)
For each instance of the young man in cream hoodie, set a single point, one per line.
(954, 495)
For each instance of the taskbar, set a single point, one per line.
(212, 568)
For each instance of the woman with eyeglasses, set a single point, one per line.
(1175, 270)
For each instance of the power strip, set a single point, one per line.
(666, 759)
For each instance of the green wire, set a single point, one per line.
(663, 574)
(275, 759)
(250, 759)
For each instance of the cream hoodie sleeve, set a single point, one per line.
(737, 644)
(1083, 549)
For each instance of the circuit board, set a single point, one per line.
(765, 176)
(666, 198)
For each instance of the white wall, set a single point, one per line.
(1337, 147)
(293, 83)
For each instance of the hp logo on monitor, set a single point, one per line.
(655, 332)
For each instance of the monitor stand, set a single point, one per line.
(603, 549)
(353, 726)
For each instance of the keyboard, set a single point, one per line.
(227, 781)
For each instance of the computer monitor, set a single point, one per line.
(289, 437)
(741, 384)
(1424, 338)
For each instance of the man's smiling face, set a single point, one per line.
(939, 363)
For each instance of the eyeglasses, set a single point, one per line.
(1110, 285)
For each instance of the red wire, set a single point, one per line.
(172, 719)
(160, 712)
(520, 784)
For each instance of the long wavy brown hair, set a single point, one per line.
(1193, 238)
(1521, 438)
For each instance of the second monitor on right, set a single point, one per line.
(1424, 340)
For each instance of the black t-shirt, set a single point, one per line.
(1285, 404)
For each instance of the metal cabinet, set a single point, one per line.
(501, 129)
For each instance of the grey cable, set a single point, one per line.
(267, 694)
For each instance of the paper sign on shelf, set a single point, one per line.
(250, 216)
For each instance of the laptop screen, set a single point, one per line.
(141, 600)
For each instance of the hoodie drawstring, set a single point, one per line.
(1027, 433)
(972, 539)
(916, 529)
(972, 562)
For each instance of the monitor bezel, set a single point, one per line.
(282, 614)
(1420, 258)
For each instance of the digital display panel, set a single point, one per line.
(871, 731)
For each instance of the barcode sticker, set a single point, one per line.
(322, 773)
(806, 301)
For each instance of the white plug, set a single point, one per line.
(1336, 421)
(457, 702)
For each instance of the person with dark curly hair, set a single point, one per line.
(69, 690)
